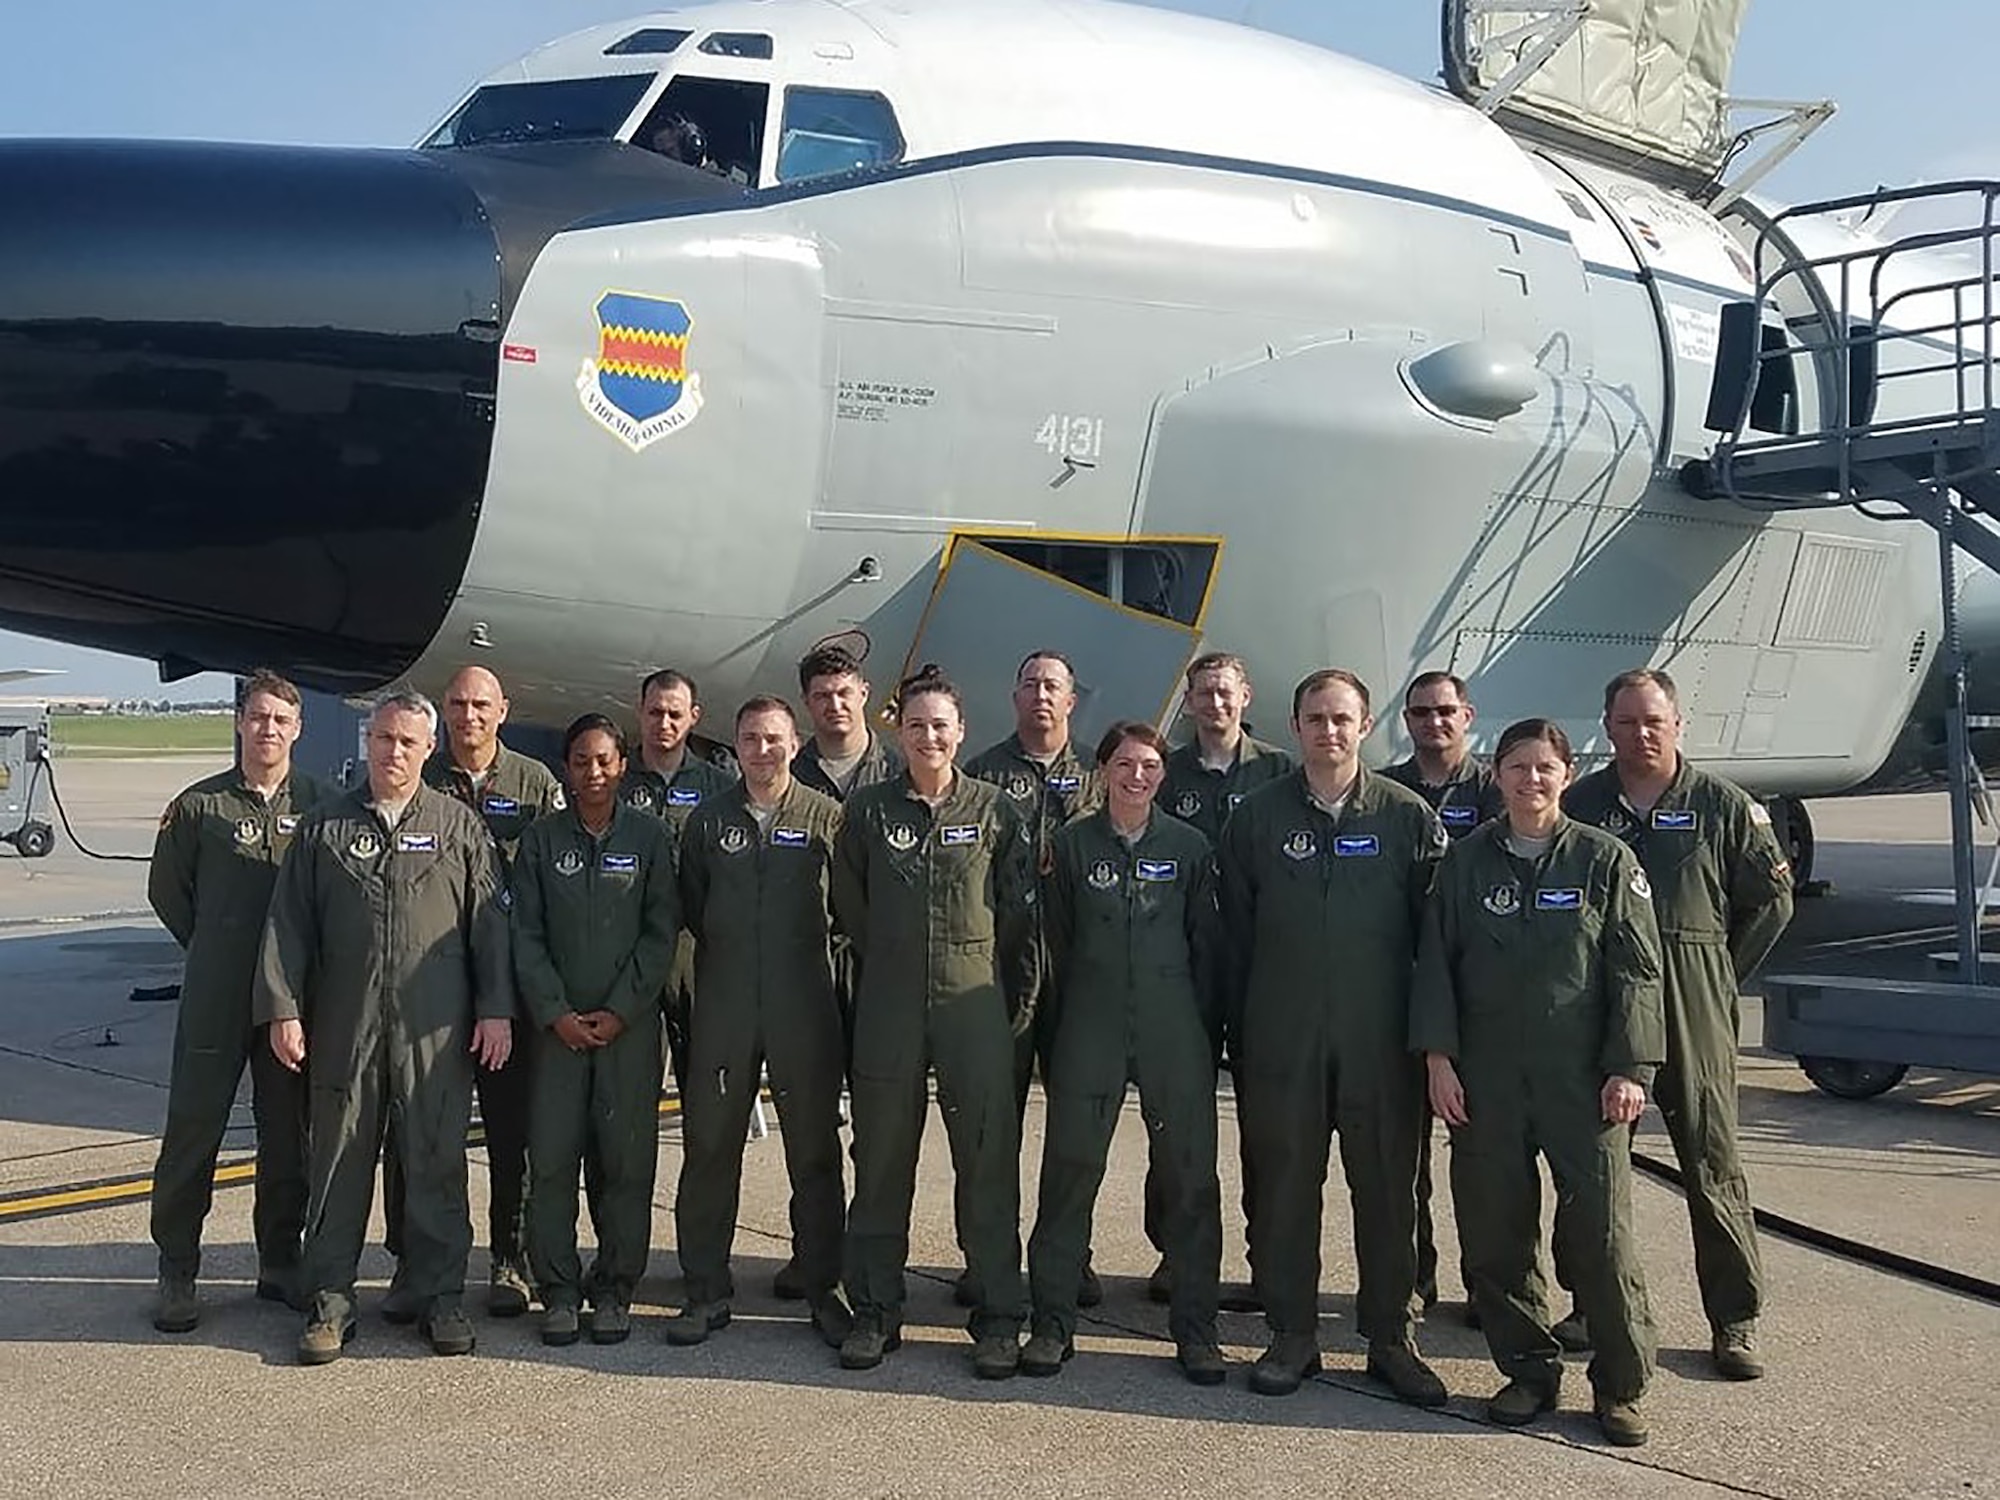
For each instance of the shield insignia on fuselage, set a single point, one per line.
(639, 386)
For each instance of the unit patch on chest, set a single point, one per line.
(1564, 898)
(734, 839)
(1187, 804)
(1300, 843)
(569, 862)
(1502, 900)
(901, 837)
(364, 845)
(1103, 875)
(246, 830)
(641, 797)
(1018, 787)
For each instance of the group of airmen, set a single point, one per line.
(1525, 955)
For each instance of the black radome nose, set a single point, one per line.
(246, 400)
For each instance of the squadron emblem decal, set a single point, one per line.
(639, 387)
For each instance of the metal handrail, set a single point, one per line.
(1829, 280)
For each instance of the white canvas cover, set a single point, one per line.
(1646, 78)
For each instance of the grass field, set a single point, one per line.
(120, 734)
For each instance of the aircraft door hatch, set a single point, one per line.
(1126, 612)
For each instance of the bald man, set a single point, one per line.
(508, 791)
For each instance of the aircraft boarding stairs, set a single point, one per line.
(1901, 338)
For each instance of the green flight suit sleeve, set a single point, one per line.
(1017, 919)
(1204, 940)
(1635, 1017)
(849, 879)
(643, 974)
(1760, 888)
(694, 871)
(1432, 845)
(1058, 926)
(486, 930)
(290, 950)
(542, 991)
(170, 877)
(1237, 891)
(1434, 991)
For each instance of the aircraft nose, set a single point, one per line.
(246, 400)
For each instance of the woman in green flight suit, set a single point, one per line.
(1538, 1009)
(1132, 926)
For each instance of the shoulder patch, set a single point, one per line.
(557, 800)
(1641, 886)
(1760, 814)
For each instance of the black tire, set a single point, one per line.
(36, 840)
(1851, 1078)
(1795, 833)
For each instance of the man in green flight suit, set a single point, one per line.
(1042, 776)
(214, 865)
(671, 782)
(1206, 778)
(1438, 713)
(509, 791)
(1324, 878)
(1722, 889)
(755, 873)
(385, 976)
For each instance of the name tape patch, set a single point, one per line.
(500, 807)
(289, 823)
(1458, 817)
(1675, 819)
(620, 864)
(958, 833)
(416, 843)
(1159, 869)
(683, 796)
(1567, 898)
(1356, 846)
(790, 838)
(1062, 786)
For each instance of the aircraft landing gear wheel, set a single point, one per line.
(35, 840)
(1795, 836)
(1850, 1078)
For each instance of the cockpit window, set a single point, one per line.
(563, 109)
(651, 41)
(830, 130)
(753, 44)
(716, 124)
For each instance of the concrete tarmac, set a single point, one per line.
(1879, 1385)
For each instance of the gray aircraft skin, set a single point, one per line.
(1012, 323)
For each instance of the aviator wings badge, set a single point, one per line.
(639, 387)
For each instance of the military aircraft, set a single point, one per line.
(956, 329)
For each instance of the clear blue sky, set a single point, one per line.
(1914, 82)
